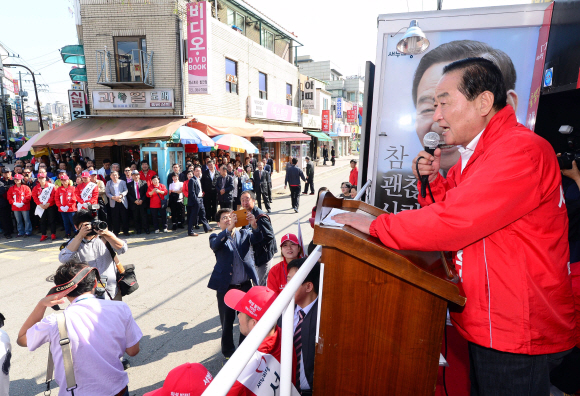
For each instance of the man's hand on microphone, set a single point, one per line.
(428, 165)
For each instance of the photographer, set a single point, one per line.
(85, 247)
(99, 331)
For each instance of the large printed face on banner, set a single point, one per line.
(407, 105)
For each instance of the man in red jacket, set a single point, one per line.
(501, 210)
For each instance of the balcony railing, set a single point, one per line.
(133, 70)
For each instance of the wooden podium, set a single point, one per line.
(383, 312)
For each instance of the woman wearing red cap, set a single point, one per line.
(66, 201)
(277, 277)
(19, 196)
(92, 197)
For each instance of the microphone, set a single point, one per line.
(430, 141)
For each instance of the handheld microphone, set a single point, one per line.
(430, 141)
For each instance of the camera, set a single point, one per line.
(99, 225)
(96, 225)
(565, 160)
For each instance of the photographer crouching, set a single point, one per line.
(85, 247)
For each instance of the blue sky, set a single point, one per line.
(340, 30)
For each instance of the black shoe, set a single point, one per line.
(8, 236)
(295, 210)
(147, 232)
(269, 211)
(174, 228)
(311, 193)
(126, 233)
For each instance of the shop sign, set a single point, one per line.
(77, 104)
(308, 103)
(311, 121)
(16, 87)
(325, 120)
(265, 109)
(133, 99)
(339, 108)
(232, 79)
(9, 120)
(355, 108)
(198, 47)
(350, 116)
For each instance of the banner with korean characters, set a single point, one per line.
(133, 99)
(198, 47)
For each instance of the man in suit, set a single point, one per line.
(305, 315)
(268, 163)
(253, 162)
(137, 197)
(195, 206)
(293, 176)
(234, 268)
(265, 249)
(309, 177)
(262, 181)
(225, 187)
(176, 169)
(324, 154)
(208, 181)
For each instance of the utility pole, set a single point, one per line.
(35, 93)
(22, 103)
(4, 120)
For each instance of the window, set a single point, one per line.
(325, 104)
(268, 40)
(352, 96)
(289, 94)
(263, 85)
(231, 76)
(236, 19)
(129, 58)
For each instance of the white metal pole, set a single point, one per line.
(287, 346)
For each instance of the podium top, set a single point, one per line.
(426, 270)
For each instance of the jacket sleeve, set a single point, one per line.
(27, 195)
(35, 192)
(265, 226)
(78, 193)
(217, 241)
(109, 190)
(123, 189)
(229, 184)
(10, 195)
(286, 178)
(472, 210)
(256, 236)
(95, 196)
(439, 188)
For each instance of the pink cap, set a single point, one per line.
(190, 379)
(85, 174)
(254, 303)
(18, 176)
(290, 237)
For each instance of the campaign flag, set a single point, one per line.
(262, 376)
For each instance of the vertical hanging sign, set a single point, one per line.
(198, 47)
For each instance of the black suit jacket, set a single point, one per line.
(310, 171)
(267, 247)
(131, 197)
(208, 185)
(229, 187)
(192, 191)
(261, 182)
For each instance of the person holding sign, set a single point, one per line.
(19, 196)
(43, 194)
(87, 192)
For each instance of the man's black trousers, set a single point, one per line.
(295, 196)
(48, 219)
(6, 220)
(120, 219)
(196, 214)
(140, 217)
(263, 195)
(309, 182)
(210, 204)
(227, 318)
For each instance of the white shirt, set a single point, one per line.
(211, 174)
(303, 381)
(5, 354)
(200, 194)
(99, 331)
(467, 151)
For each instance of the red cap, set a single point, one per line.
(18, 176)
(85, 174)
(190, 379)
(290, 237)
(64, 176)
(254, 303)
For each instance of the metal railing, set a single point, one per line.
(134, 68)
(364, 189)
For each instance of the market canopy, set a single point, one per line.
(285, 137)
(74, 54)
(27, 147)
(323, 137)
(186, 135)
(214, 126)
(235, 143)
(103, 132)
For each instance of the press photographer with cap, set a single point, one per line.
(86, 247)
(86, 351)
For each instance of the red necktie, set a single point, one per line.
(137, 189)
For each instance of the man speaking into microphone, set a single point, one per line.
(501, 211)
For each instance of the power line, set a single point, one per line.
(42, 56)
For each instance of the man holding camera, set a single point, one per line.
(85, 247)
(98, 333)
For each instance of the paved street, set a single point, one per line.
(174, 308)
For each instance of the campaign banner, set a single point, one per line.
(351, 116)
(308, 103)
(87, 192)
(261, 376)
(265, 109)
(325, 120)
(198, 47)
(406, 117)
(339, 108)
(43, 198)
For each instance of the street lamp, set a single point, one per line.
(35, 93)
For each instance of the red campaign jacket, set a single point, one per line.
(150, 174)
(37, 190)
(65, 196)
(155, 199)
(94, 198)
(505, 220)
(20, 194)
(353, 176)
(278, 277)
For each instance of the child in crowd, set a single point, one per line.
(291, 249)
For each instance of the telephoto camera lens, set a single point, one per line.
(98, 225)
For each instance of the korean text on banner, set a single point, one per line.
(339, 108)
(77, 104)
(350, 116)
(198, 47)
(325, 120)
(309, 93)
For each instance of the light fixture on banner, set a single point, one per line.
(414, 41)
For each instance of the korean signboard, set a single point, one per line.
(350, 116)
(325, 120)
(308, 103)
(198, 47)
(265, 109)
(339, 108)
(9, 120)
(133, 99)
(77, 104)
(16, 87)
(311, 121)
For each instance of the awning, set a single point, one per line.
(74, 54)
(214, 126)
(323, 137)
(280, 128)
(103, 132)
(285, 137)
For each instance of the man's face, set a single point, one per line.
(115, 168)
(460, 119)
(247, 202)
(426, 108)
(136, 178)
(211, 166)
(133, 167)
(145, 167)
(62, 166)
(29, 166)
(352, 165)
(225, 220)
(94, 178)
(176, 168)
(128, 173)
(290, 251)
(246, 323)
(230, 168)
(304, 289)
(197, 173)
(106, 165)
(85, 179)
(260, 166)
(223, 172)
(41, 167)
(89, 163)
(7, 175)
(18, 169)
(19, 163)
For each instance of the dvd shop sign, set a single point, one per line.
(198, 47)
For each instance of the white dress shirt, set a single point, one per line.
(303, 381)
(467, 151)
